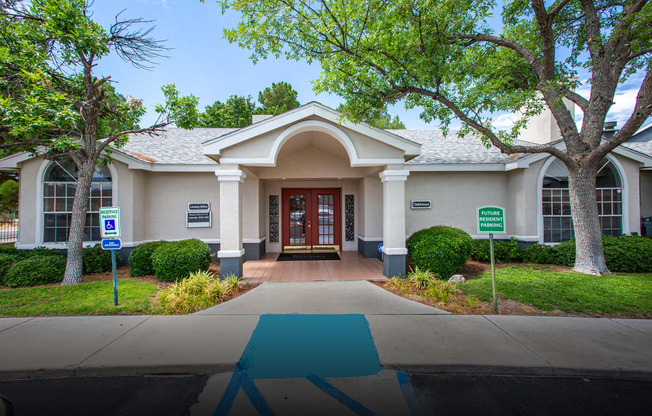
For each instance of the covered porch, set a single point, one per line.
(351, 266)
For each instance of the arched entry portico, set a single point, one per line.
(309, 151)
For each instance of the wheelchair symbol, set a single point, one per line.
(109, 225)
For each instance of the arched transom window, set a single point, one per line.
(59, 185)
(557, 221)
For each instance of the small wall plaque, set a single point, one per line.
(199, 206)
(420, 204)
(196, 219)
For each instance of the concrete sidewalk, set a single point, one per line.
(410, 340)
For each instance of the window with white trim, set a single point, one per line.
(557, 220)
(59, 186)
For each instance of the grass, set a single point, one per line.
(549, 289)
(95, 298)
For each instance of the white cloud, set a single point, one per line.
(505, 121)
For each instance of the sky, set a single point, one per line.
(201, 62)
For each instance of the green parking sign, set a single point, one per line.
(491, 220)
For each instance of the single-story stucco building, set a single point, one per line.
(306, 180)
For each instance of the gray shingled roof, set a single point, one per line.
(179, 146)
(450, 149)
(173, 145)
(641, 147)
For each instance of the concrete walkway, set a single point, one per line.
(337, 297)
(409, 337)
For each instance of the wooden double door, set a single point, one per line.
(312, 219)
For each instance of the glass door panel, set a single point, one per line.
(311, 219)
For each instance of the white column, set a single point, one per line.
(231, 249)
(394, 249)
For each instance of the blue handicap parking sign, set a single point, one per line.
(109, 225)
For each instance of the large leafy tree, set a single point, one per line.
(53, 104)
(278, 98)
(236, 112)
(444, 57)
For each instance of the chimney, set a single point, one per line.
(255, 118)
(609, 129)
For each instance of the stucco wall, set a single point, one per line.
(27, 195)
(168, 195)
(455, 197)
(646, 193)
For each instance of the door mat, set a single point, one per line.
(307, 256)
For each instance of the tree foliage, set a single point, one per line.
(236, 112)
(53, 104)
(444, 57)
(378, 118)
(278, 98)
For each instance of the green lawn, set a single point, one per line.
(95, 298)
(547, 289)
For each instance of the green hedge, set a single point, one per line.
(504, 251)
(97, 260)
(441, 249)
(140, 259)
(626, 254)
(6, 261)
(37, 270)
(178, 259)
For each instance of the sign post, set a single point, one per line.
(110, 232)
(492, 220)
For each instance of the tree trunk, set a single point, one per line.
(74, 264)
(589, 255)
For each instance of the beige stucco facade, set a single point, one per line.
(312, 149)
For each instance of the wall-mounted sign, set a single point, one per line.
(420, 204)
(199, 206)
(491, 220)
(197, 219)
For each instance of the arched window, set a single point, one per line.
(557, 221)
(59, 185)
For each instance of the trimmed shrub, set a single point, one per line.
(198, 291)
(178, 259)
(43, 251)
(565, 253)
(625, 254)
(628, 254)
(6, 261)
(37, 270)
(504, 251)
(21, 254)
(97, 260)
(539, 253)
(441, 249)
(140, 259)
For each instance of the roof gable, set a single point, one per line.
(310, 116)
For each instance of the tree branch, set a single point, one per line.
(152, 130)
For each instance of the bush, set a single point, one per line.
(565, 253)
(628, 254)
(37, 270)
(421, 279)
(442, 250)
(43, 251)
(198, 291)
(21, 254)
(504, 251)
(177, 259)
(625, 254)
(97, 260)
(540, 253)
(6, 261)
(140, 259)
